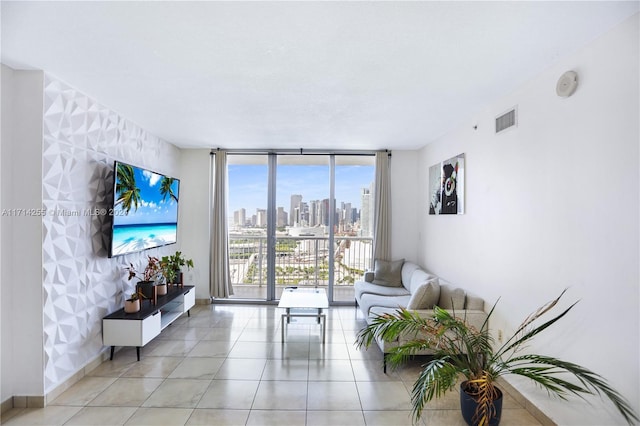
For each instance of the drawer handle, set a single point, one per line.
(156, 313)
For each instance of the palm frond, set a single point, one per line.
(517, 339)
(544, 369)
(539, 312)
(389, 326)
(485, 394)
(436, 378)
(400, 354)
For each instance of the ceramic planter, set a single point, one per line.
(131, 306)
(161, 289)
(468, 406)
(146, 287)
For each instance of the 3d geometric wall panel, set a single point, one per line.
(81, 140)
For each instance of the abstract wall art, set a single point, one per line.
(446, 186)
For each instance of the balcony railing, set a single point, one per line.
(299, 261)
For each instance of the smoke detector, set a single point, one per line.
(567, 84)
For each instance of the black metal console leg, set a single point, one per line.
(113, 348)
(189, 313)
(138, 352)
(384, 364)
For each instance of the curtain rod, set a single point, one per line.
(300, 151)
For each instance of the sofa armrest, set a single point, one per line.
(368, 276)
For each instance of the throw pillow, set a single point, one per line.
(451, 298)
(425, 296)
(388, 273)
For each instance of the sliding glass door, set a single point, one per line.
(302, 235)
(248, 177)
(299, 220)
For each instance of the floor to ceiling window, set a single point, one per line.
(299, 220)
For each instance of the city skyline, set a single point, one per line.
(248, 185)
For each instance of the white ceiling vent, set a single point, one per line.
(507, 120)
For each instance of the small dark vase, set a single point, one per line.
(146, 288)
(468, 406)
(178, 278)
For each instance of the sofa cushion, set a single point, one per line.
(408, 268)
(361, 287)
(425, 295)
(368, 301)
(451, 298)
(418, 278)
(474, 303)
(388, 273)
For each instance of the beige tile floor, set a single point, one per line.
(227, 365)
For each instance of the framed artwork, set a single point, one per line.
(446, 186)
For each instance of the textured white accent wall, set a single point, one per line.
(81, 139)
(551, 204)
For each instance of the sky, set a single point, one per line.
(152, 208)
(248, 185)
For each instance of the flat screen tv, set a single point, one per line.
(145, 210)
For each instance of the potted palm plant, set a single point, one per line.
(461, 350)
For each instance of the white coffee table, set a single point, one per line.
(305, 299)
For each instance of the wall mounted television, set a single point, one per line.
(145, 210)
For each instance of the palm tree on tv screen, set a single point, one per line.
(128, 192)
(165, 188)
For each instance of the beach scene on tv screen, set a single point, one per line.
(145, 211)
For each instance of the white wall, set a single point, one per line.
(404, 210)
(194, 217)
(555, 204)
(22, 255)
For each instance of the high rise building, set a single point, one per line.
(281, 218)
(347, 214)
(261, 218)
(366, 212)
(304, 214)
(296, 199)
(313, 213)
(242, 217)
(324, 212)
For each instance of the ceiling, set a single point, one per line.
(323, 75)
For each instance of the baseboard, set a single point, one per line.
(528, 405)
(203, 301)
(6, 405)
(74, 378)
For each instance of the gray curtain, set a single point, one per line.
(220, 284)
(382, 209)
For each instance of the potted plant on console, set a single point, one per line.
(132, 304)
(461, 350)
(151, 273)
(172, 267)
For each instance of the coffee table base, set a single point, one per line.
(322, 320)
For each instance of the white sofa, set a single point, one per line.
(381, 292)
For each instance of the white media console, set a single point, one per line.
(139, 328)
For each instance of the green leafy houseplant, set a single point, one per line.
(172, 264)
(464, 351)
(152, 272)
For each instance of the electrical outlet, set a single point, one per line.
(500, 336)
